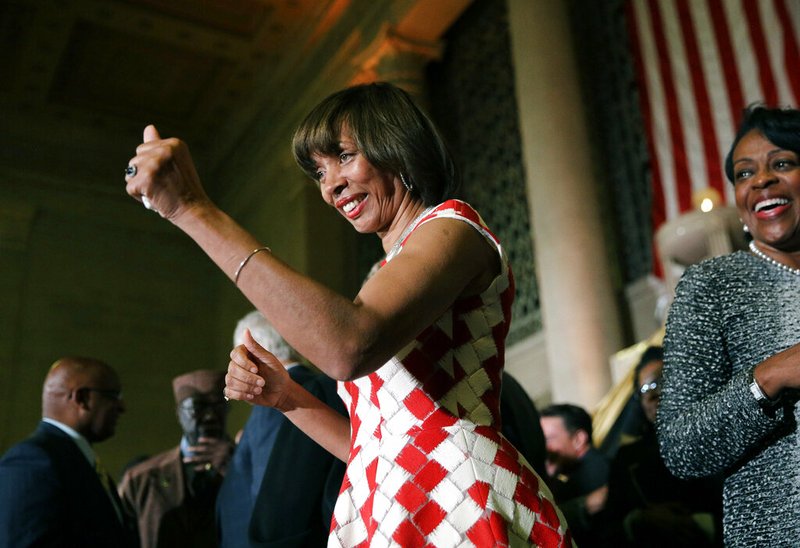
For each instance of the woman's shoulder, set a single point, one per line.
(456, 208)
(732, 264)
(725, 277)
(459, 210)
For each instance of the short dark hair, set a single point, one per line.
(780, 125)
(392, 133)
(651, 354)
(575, 417)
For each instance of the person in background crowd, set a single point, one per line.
(53, 489)
(173, 493)
(420, 349)
(521, 424)
(732, 346)
(281, 485)
(578, 472)
(647, 506)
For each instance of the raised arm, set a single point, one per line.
(443, 260)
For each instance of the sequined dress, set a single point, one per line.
(428, 465)
(729, 314)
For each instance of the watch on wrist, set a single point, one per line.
(758, 394)
(768, 405)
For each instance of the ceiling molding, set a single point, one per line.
(82, 78)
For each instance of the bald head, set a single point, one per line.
(85, 394)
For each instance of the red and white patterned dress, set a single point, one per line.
(428, 465)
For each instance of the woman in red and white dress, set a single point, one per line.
(419, 351)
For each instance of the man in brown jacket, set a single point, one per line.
(173, 493)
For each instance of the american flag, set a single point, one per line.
(699, 63)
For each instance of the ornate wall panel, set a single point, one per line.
(622, 164)
(473, 101)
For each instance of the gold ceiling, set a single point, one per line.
(81, 78)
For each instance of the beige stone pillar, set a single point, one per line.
(395, 58)
(401, 50)
(579, 311)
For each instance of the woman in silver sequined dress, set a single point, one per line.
(732, 348)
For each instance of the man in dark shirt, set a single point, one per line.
(577, 472)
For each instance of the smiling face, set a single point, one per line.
(366, 196)
(767, 189)
(390, 131)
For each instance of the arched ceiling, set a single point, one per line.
(81, 78)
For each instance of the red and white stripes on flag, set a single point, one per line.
(699, 63)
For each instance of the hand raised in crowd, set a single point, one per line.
(256, 376)
(162, 175)
(210, 453)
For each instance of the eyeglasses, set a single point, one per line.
(196, 408)
(115, 395)
(653, 388)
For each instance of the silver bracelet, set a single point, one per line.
(245, 261)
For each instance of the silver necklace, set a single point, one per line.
(396, 247)
(758, 253)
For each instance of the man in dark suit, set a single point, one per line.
(173, 493)
(521, 423)
(52, 493)
(281, 486)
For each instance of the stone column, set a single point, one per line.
(394, 58)
(579, 310)
(401, 49)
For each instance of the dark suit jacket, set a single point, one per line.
(521, 424)
(641, 488)
(51, 496)
(155, 491)
(281, 486)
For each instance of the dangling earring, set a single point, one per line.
(409, 186)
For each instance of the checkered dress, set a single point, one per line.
(428, 465)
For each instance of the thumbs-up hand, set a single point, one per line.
(163, 177)
(255, 375)
(151, 134)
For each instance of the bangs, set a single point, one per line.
(319, 134)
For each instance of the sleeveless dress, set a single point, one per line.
(428, 465)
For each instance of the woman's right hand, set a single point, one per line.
(256, 376)
(165, 176)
